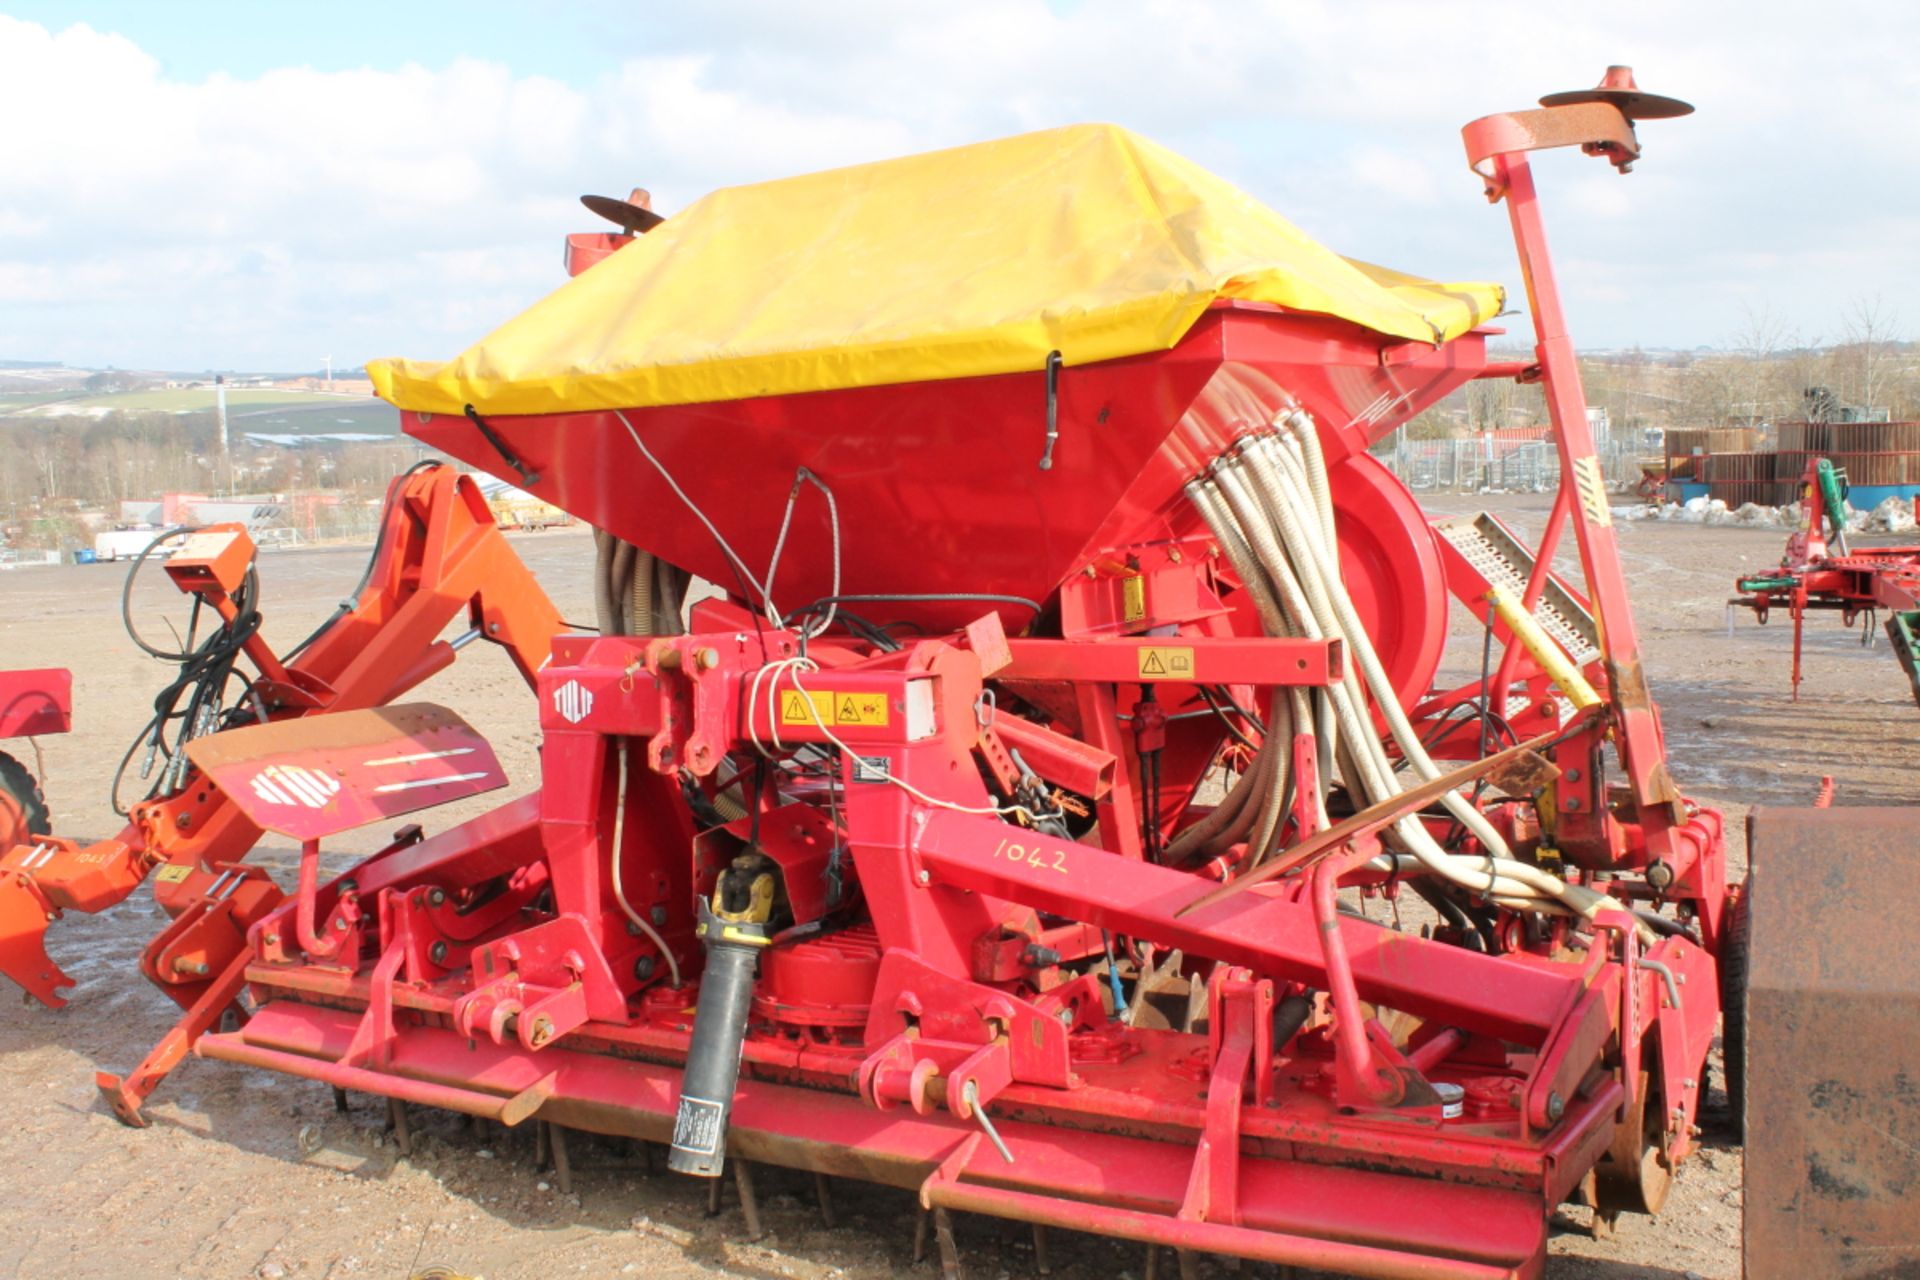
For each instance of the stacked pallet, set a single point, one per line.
(1873, 455)
(1743, 477)
(1684, 442)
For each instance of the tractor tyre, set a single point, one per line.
(23, 810)
(1733, 1006)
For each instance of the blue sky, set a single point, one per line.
(261, 185)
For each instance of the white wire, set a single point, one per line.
(780, 543)
(793, 667)
(725, 547)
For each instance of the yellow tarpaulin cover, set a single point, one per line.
(1086, 240)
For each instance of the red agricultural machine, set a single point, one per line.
(1070, 650)
(31, 703)
(1820, 572)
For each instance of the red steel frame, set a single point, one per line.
(929, 1019)
(1812, 578)
(439, 556)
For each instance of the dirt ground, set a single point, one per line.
(249, 1174)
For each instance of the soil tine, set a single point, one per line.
(402, 1132)
(539, 1144)
(339, 1099)
(1041, 1262)
(562, 1159)
(949, 1251)
(920, 1219)
(714, 1188)
(749, 1205)
(1189, 1264)
(1152, 1270)
(823, 1192)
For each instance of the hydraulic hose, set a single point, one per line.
(1269, 502)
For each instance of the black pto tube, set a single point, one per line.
(713, 1056)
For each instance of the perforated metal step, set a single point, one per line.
(1501, 561)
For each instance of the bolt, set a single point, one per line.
(633, 929)
(643, 968)
(707, 659)
(1573, 775)
(1573, 802)
(1173, 554)
(493, 628)
(1066, 1017)
(271, 939)
(1556, 1107)
(922, 877)
(542, 1029)
(659, 914)
(437, 953)
(183, 965)
(436, 897)
(184, 821)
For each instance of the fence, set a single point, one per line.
(1498, 466)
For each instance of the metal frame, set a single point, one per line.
(929, 1013)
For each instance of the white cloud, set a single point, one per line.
(266, 220)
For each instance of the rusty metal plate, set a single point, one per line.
(1833, 1044)
(322, 774)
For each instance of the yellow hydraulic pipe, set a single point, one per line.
(1552, 659)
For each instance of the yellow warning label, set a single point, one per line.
(173, 873)
(1159, 662)
(867, 709)
(1133, 597)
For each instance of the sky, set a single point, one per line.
(188, 186)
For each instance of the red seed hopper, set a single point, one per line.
(1047, 806)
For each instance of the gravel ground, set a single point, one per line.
(249, 1174)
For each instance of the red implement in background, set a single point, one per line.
(1821, 572)
(32, 702)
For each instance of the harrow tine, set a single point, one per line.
(562, 1158)
(1041, 1262)
(949, 1251)
(823, 1193)
(749, 1203)
(402, 1133)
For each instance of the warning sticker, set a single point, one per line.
(1133, 598)
(173, 873)
(832, 709)
(1161, 662)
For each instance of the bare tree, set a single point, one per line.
(1870, 327)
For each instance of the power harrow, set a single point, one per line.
(1820, 572)
(1067, 650)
